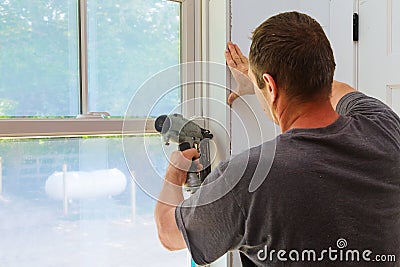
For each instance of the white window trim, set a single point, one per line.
(26, 128)
(191, 52)
(17, 128)
(83, 57)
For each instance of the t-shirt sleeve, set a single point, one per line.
(211, 221)
(358, 104)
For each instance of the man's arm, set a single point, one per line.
(171, 196)
(339, 90)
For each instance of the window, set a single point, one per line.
(64, 58)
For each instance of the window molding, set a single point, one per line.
(83, 57)
(191, 40)
(28, 128)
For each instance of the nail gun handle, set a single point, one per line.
(193, 180)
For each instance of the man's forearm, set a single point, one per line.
(168, 232)
(171, 196)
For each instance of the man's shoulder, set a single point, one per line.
(251, 166)
(359, 105)
(254, 154)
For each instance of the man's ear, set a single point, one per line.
(271, 87)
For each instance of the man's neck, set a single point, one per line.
(317, 114)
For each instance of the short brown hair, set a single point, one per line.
(293, 48)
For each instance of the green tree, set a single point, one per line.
(129, 42)
(38, 51)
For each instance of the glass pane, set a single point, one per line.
(129, 42)
(100, 219)
(39, 58)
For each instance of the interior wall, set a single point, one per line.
(250, 126)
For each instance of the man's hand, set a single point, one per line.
(180, 163)
(239, 66)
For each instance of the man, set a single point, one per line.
(330, 188)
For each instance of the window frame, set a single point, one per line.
(86, 125)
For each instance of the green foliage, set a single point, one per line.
(129, 41)
(38, 57)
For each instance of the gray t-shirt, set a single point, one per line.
(306, 196)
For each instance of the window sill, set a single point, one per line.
(25, 128)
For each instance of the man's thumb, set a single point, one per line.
(232, 97)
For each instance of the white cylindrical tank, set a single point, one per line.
(83, 185)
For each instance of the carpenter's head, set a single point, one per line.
(291, 52)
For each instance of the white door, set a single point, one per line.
(379, 50)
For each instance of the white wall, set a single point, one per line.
(336, 18)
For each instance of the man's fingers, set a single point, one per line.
(191, 154)
(239, 66)
(232, 97)
(229, 60)
(183, 160)
(200, 167)
(236, 59)
(243, 59)
(235, 56)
